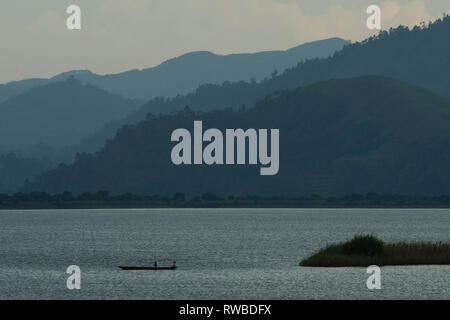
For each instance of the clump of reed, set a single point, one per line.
(365, 250)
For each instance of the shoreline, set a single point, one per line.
(243, 205)
(6, 208)
(103, 200)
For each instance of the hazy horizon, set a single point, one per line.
(120, 35)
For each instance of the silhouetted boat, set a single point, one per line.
(147, 268)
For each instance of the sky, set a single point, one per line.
(119, 35)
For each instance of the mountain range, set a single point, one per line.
(45, 121)
(365, 134)
(418, 56)
(372, 117)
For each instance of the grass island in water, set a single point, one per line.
(365, 250)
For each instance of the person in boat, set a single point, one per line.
(174, 265)
(156, 264)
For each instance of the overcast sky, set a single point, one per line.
(119, 35)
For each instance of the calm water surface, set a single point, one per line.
(221, 253)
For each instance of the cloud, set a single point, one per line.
(409, 14)
(390, 10)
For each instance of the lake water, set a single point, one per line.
(221, 253)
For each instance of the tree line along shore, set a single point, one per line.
(102, 199)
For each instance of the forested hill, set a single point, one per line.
(419, 56)
(58, 114)
(366, 134)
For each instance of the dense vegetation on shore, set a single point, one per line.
(365, 250)
(102, 199)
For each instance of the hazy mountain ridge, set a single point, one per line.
(418, 56)
(336, 137)
(58, 114)
(185, 73)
